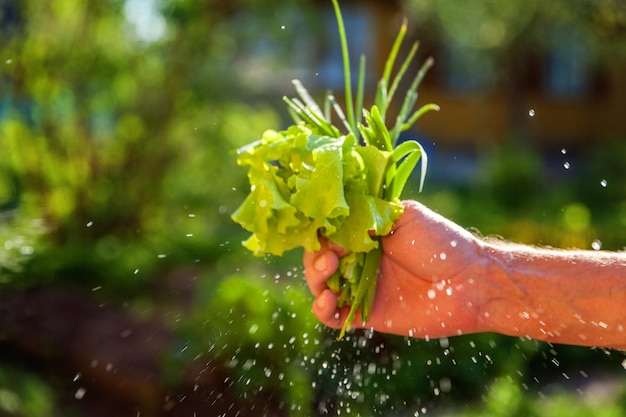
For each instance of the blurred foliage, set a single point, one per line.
(19, 238)
(492, 24)
(99, 132)
(261, 333)
(116, 169)
(24, 395)
(505, 398)
(522, 197)
(512, 173)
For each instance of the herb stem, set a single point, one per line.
(365, 290)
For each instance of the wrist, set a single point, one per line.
(498, 292)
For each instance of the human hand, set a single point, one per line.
(428, 280)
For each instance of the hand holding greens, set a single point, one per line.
(343, 183)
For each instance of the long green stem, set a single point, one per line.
(365, 290)
(346, 69)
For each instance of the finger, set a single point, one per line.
(325, 307)
(318, 267)
(326, 311)
(341, 252)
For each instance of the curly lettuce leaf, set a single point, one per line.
(371, 215)
(304, 184)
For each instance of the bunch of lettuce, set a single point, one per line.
(343, 183)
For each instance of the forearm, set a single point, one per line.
(572, 297)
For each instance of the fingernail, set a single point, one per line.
(321, 264)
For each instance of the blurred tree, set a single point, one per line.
(117, 142)
(488, 24)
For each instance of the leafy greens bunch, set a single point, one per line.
(340, 182)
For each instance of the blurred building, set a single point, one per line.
(514, 71)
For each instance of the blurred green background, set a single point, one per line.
(124, 289)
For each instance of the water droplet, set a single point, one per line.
(8, 61)
(89, 224)
(563, 151)
(443, 256)
(444, 342)
(282, 27)
(371, 368)
(566, 165)
(603, 183)
(453, 243)
(445, 384)
(596, 245)
(80, 393)
(431, 294)
(263, 203)
(531, 112)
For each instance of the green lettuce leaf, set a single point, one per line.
(303, 184)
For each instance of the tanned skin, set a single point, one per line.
(436, 279)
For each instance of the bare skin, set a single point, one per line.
(437, 280)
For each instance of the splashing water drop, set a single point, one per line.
(80, 393)
(445, 384)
